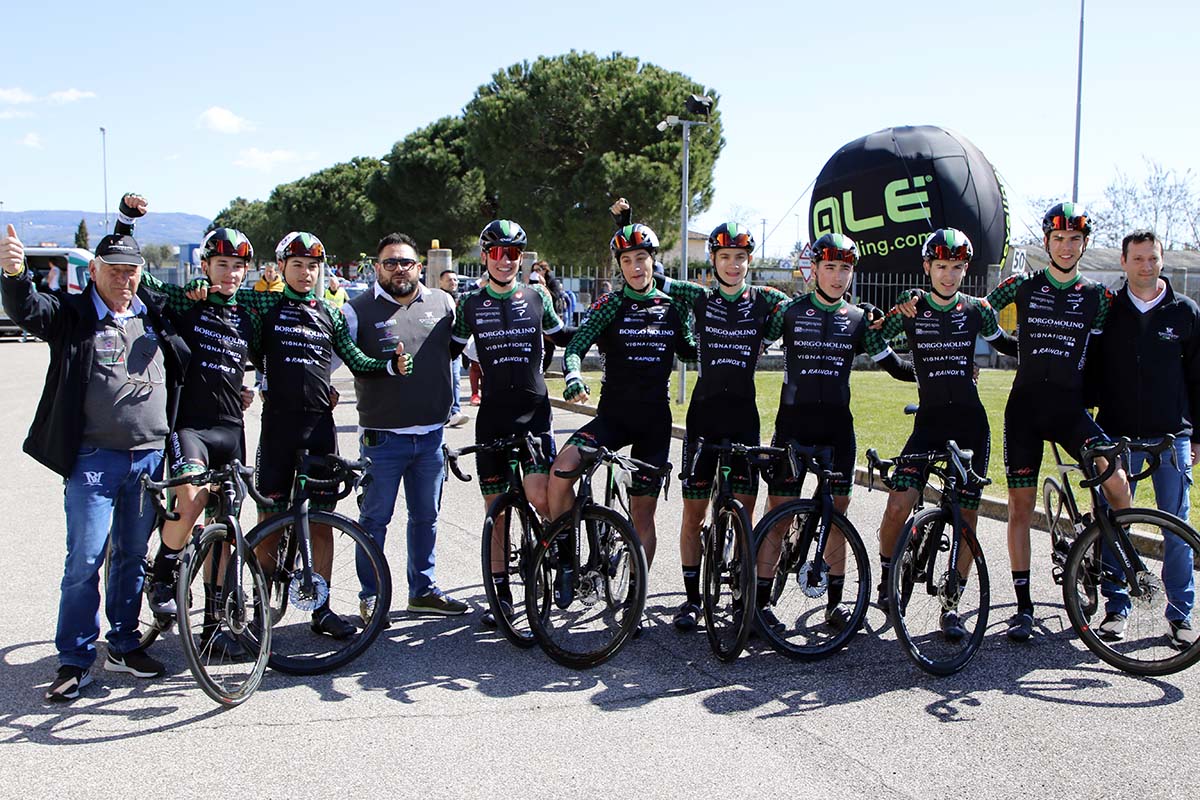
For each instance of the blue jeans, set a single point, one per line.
(1172, 483)
(455, 377)
(417, 460)
(102, 499)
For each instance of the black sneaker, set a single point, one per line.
(137, 663)
(687, 617)
(1020, 627)
(225, 646)
(489, 619)
(766, 619)
(67, 684)
(881, 599)
(327, 623)
(162, 599)
(838, 617)
(952, 627)
(1183, 635)
(435, 601)
(1112, 629)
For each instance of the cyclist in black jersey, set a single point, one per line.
(730, 324)
(296, 336)
(508, 320)
(821, 334)
(1058, 309)
(639, 331)
(942, 336)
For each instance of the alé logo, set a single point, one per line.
(904, 201)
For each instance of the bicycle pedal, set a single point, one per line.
(1057, 573)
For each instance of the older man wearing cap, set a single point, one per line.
(115, 367)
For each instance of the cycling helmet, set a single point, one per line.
(949, 244)
(226, 242)
(730, 234)
(1067, 217)
(835, 247)
(502, 232)
(299, 243)
(633, 237)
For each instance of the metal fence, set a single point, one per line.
(882, 289)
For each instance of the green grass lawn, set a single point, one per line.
(878, 401)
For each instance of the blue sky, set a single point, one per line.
(207, 101)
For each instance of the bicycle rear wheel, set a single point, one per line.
(1170, 550)
(1062, 530)
(508, 533)
(150, 625)
(593, 611)
(727, 581)
(224, 617)
(939, 610)
(297, 647)
(817, 613)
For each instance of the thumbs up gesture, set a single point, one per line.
(12, 252)
(402, 362)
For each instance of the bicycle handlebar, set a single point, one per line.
(1112, 451)
(346, 473)
(531, 444)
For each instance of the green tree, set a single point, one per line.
(250, 217)
(559, 139)
(331, 203)
(429, 191)
(81, 235)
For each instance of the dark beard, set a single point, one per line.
(402, 288)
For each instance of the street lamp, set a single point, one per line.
(1078, 108)
(104, 156)
(696, 104)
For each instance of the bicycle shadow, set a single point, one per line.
(94, 717)
(871, 667)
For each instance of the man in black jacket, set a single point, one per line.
(1145, 374)
(115, 367)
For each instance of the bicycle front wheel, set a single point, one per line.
(506, 555)
(224, 617)
(939, 610)
(150, 625)
(345, 561)
(818, 599)
(1163, 593)
(727, 581)
(595, 608)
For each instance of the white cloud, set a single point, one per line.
(70, 96)
(266, 160)
(15, 96)
(15, 114)
(32, 140)
(222, 120)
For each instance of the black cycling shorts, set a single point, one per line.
(283, 434)
(498, 420)
(1038, 414)
(714, 420)
(194, 448)
(815, 425)
(967, 425)
(646, 430)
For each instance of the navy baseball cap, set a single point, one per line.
(118, 248)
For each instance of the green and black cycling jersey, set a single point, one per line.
(942, 339)
(1054, 320)
(218, 331)
(508, 330)
(639, 335)
(820, 341)
(730, 332)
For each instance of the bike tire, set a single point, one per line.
(508, 520)
(607, 596)
(916, 609)
(150, 625)
(1062, 531)
(727, 581)
(800, 605)
(1144, 649)
(211, 620)
(296, 649)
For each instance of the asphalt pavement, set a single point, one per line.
(443, 707)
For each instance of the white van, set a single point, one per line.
(67, 267)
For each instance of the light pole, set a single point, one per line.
(1078, 108)
(797, 216)
(104, 157)
(697, 105)
(763, 254)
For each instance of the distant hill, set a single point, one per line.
(59, 226)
